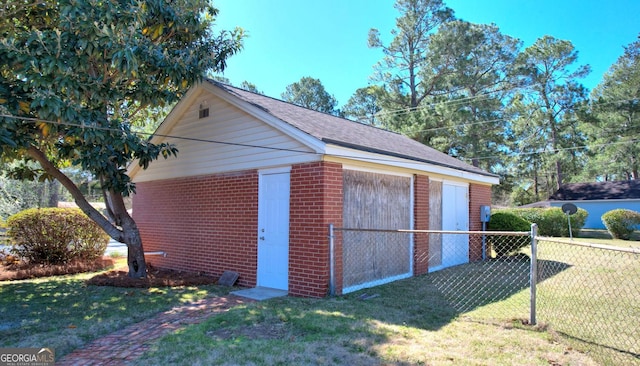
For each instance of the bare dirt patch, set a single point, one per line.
(254, 331)
(22, 270)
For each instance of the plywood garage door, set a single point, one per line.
(376, 201)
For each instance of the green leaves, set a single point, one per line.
(310, 93)
(75, 76)
(613, 120)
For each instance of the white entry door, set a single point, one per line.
(455, 217)
(273, 230)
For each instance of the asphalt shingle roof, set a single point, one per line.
(628, 189)
(340, 131)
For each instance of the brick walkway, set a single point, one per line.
(130, 343)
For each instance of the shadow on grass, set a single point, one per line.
(607, 354)
(602, 234)
(64, 313)
(381, 325)
(473, 285)
(344, 330)
(432, 301)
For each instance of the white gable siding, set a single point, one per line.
(240, 136)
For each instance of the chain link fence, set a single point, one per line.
(588, 294)
(375, 257)
(500, 279)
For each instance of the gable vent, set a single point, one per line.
(203, 113)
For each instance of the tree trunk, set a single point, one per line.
(536, 192)
(127, 232)
(556, 150)
(131, 234)
(54, 197)
(475, 141)
(40, 192)
(558, 174)
(135, 253)
(634, 168)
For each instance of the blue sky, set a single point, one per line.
(327, 39)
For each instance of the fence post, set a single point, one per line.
(484, 241)
(332, 282)
(533, 273)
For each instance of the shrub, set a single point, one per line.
(621, 223)
(506, 221)
(55, 235)
(3, 232)
(552, 221)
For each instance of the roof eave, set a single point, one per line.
(402, 156)
(396, 160)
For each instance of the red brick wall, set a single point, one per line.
(206, 224)
(316, 201)
(421, 222)
(210, 224)
(479, 195)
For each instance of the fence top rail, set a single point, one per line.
(514, 233)
(590, 245)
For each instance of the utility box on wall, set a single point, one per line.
(485, 213)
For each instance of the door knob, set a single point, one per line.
(262, 238)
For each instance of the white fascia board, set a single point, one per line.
(313, 143)
(358, 155)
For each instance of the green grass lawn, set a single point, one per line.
(593, 300)
(603, 237)
(407, 322)
(474, 314)
(64, 313)
(404, 323)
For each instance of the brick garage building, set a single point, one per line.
(257, 182)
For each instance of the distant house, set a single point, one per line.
(598, 197)
(257, 182)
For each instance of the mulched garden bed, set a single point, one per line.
(156, 277)
(22, 271)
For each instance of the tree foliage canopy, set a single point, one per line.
(406, 55)
(75, 75)
(546, 107)
(310, 93)
(472, 92)
(363, 105)
(614, 119)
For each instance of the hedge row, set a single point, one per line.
(551, 221)
(55, 235)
